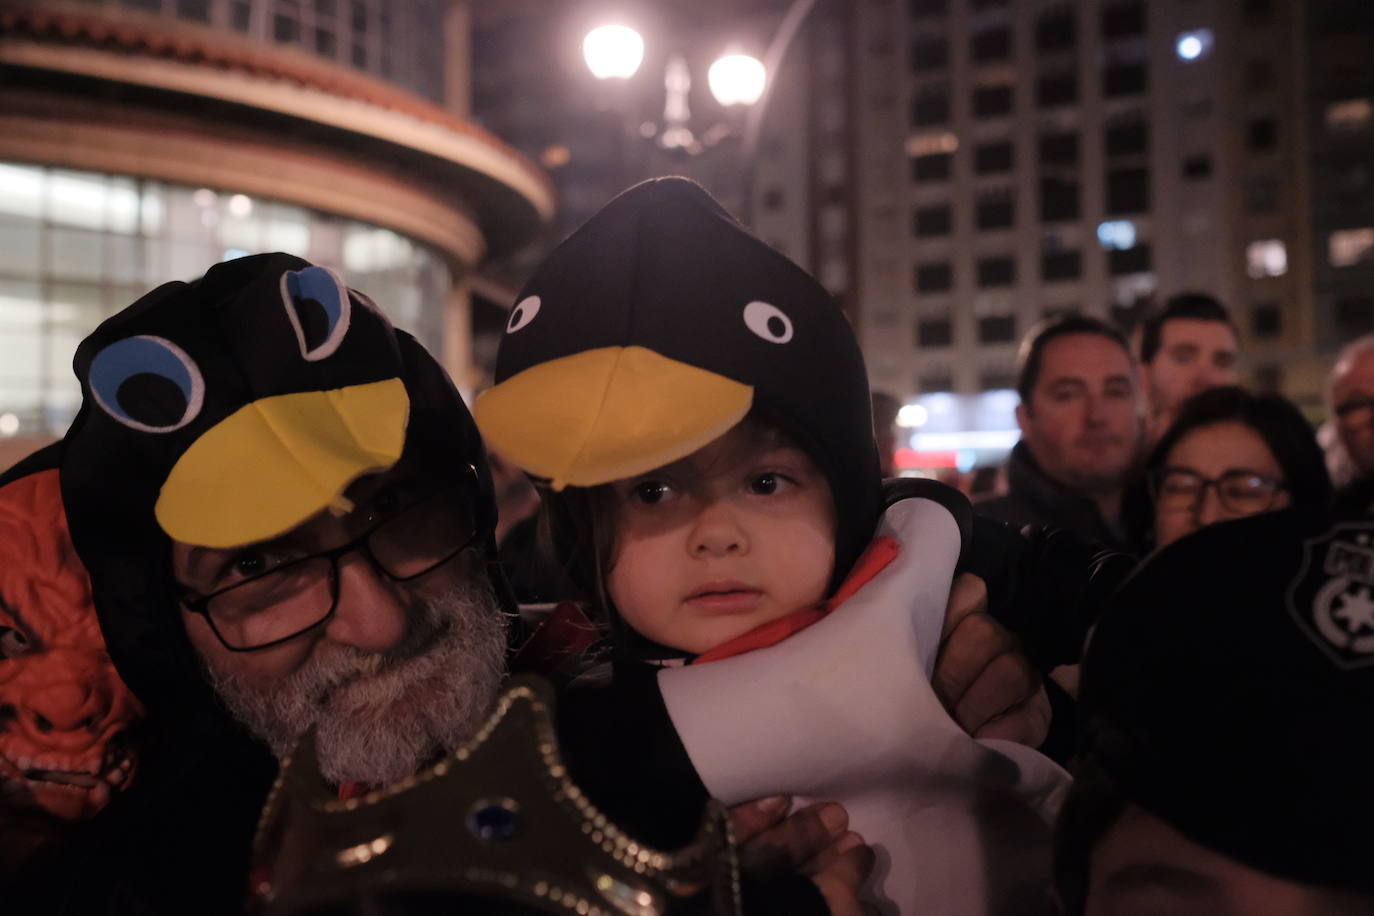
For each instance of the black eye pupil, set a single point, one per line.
(776, 326)
(516, 316)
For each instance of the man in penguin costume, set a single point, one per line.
(288, 522)
(652, 331)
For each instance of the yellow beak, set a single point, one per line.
(606, 414)
(273, 463)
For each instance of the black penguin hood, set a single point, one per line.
(227, 411)
(655, 328)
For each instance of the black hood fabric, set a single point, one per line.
(1227, 689)
(663, 268)
(238, 344)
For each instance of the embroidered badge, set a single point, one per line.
(1332, 597)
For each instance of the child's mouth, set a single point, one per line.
(725, 598)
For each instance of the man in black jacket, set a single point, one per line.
(1081, 431)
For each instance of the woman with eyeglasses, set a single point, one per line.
(1228, 454)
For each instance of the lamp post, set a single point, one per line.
(614, 53)
(738, 82)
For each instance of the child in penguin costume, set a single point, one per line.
(700, 411)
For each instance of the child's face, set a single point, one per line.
(739, 533)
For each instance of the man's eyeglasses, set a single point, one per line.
(298, 593)
(1240, 492)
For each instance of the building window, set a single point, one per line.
(934, 332)
(994, 272)
(1123, 20)
(1055, 89)
(921, 8)
(1123, 79)
(1059, 149)
(991, 158)
(1058, 200)
(1259, 75)
(936, 220)
(992, 101)
(1061, 265)
(1354, 316)
(241, 16)
(1127, 138)
(996, 380)
(935, 380)
(1262, 195)
(934, 278)
(1262, 134)
(286, 29)
(991, 44)
(931, 167)
(1348, 247)
(1266, 320)
(1128, 260)
(1128, 191)
(1350, 116)
(995, 211)
(1257, 12)
(930, 107)
(1266, 258)
(1055, 30)
(199, 10)
(930, 53)
(997, 329)
(1196, 168)
(990, 4)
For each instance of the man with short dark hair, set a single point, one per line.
(1186, 347)
(1080, 430)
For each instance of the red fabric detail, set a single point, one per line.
(880, 552)
(349, 790)
(564, 633)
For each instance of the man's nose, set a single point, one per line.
(371, 611)
(717, 531)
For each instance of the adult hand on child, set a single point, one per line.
(815, 841)
(981, 675)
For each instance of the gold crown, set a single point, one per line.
(499, 820)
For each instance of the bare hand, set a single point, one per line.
(815, 841)
(981, 676)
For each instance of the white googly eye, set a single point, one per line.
(522, 314)
(768, 321)
(319, 308)
(147, 383)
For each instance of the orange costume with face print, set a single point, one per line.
(65, 713)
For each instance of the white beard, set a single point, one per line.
(381, 717)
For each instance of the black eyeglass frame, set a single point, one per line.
(199, 604)
(1157, 477)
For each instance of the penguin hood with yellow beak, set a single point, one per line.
(227, 411)
(655, 328)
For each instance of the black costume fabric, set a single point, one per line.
(1226, 691)
(1034, 498)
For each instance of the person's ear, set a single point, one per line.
(1023, 417)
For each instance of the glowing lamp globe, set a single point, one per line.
(613, 51)
(736, 79)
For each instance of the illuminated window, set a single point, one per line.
(1350, 116)
(1116, 234)
(1194, 45)
(1266, 258)
(1348, 247)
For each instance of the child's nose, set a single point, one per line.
(717, 532)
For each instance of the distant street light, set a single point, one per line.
(613, 51)
(737, 79)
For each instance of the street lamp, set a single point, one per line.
(735, 80)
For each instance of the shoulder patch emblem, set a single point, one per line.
(1332, 597)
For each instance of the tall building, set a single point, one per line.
(143, 141)
(1021, 159)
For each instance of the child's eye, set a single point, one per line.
(652, 492)
(769, 484)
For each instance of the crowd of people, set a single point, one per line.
(766, 679)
